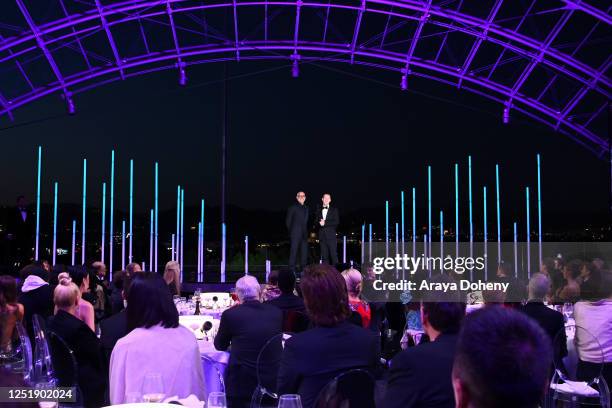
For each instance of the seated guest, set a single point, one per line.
(81, 340)
(287, 300)
(594, 333)
(156, 343)
(11, 312)
(570, 291)
(353, 279)
(271, 290)
(314, 357)
(172, 276)
(116, 297)
(36, 296)
(115, 327)
(549, 319)
(98, 289)
(246, 328)
(132, 268)
(421, 376)
(80, 277)
(589, 281)
(517, 290)
(502, 360)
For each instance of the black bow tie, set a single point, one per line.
(326, 208)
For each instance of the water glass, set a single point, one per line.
(153, 388)
(217, 400)
(132, 397)
(290, 401)
(568, 310)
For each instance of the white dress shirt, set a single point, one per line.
(173, 353)
(325, 210)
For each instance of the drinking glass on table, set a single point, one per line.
(152, 388)
(289, 401)
(568, 310)
(217, 400)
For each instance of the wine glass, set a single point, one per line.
(152, 388)
(217, 400)
(568, 310)
(290, 401)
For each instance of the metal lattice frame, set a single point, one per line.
(524, 57)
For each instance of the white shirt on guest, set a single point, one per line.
(596, 319)
(325, 210)
(173, 353)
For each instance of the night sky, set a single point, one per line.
(332, 129)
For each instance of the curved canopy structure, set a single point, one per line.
(547, 59)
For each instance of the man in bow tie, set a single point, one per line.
(328, 222)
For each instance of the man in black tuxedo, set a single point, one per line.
(421, 375)
(20, 231)
(328, 220)
(297, 225)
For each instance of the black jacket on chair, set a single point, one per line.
(287, 301)
(421, 376)
(38, 301)
(313, 358)
(87, 351)
(246, 328)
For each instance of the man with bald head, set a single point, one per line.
(297, 226)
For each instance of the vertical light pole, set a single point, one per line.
(515, 252)
(414, 222)
(84, 207)
(456, 209)
(442, 240)
(370, 246)
(123, 245)
(178, 223)
(246, 255)
(182, 237)
(344, 249)
(151, 239)
(173, 253)
(429, 208)
(156, 244)
(54, 223)
(202, 247)
(111, 216)
(130, 257)
(73, 241)
(528, 233)
(539, 215)
(403, 227)
(102, 246)
(499, 254)
(387, 228)
(484, 191)
(362, 244)
(36, 245)
(470, 204)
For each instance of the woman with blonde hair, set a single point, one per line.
(67, 324)
(172, 276)
(85, 310)
(353, 280)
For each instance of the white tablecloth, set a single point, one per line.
(214, 364)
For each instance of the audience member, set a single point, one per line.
(36, 295)
(80, 277)
(114, 327)
(116, 296)
(549, 267)
(502, 360)
(517, 290)
(287, 300)
(594, 333)
(81, 340)
(172, 276)
(353, 280)
(314, 357)
(421, 376)
(11, 312)
(271, 290)
(156, 343)
(570, 291)
(132, 268)
(550, 320)
(246, 328)
(589, 281)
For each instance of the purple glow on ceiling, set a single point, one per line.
(538, 58)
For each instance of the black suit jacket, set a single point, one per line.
(88, 354)
(313, 358)
(288, 302)
(553, 324)
(328, 231)
(297, 220)
(421, 376)
(38, 301)
(247, 328)
(112, 329)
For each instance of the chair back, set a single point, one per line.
(43, 369)
(63, 360)
(295, 321)
(26, 352)
(266, 369)
(350, 389)
(213, 379)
